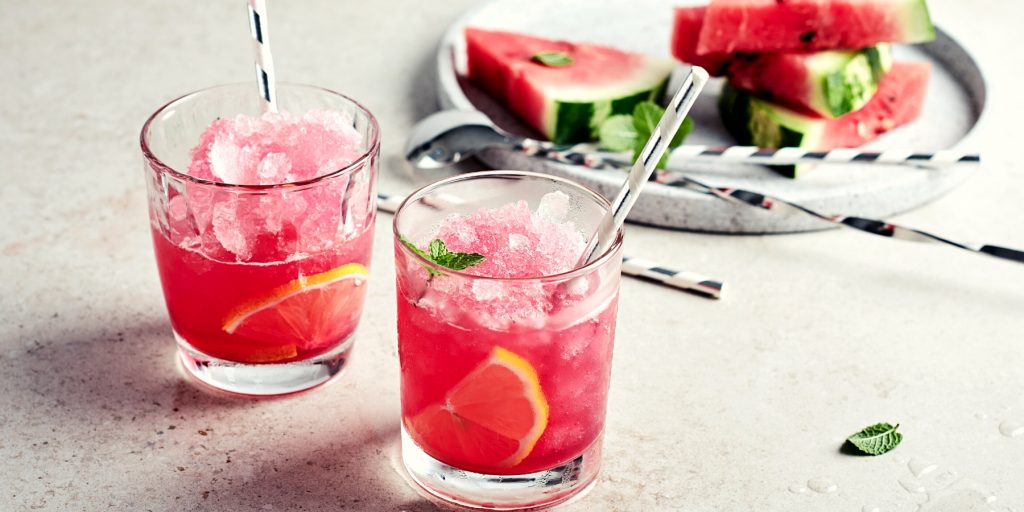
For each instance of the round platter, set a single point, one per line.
(952, 110)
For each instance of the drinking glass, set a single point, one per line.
(264, 284)
(504, 381)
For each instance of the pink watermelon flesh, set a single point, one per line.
(608, 80)
(899, 101)
(787, 25)
(686, 34)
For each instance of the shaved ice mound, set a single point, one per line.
(275, 148)
(277, 224)
(516, 242)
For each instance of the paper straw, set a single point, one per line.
(645, 163)
(649, 271)
(261, 51)
(792, 156)
(589, 155)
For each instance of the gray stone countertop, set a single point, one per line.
(728, 405)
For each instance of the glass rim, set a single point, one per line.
(563, 276)
(158, 164)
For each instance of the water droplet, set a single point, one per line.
(870, 508)
(912, 485)
(946, 477)
(1011, 429)
(797, 489)
(822, 485)
(967, 498)
(921, 467)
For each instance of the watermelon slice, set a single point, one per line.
(829, 83)
(758, 122)
(786, 25)
(566, 103)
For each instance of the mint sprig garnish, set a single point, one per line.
(629, 132)
(876, 439)
(553, 59)
(438, 253)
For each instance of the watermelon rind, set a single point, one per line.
(756, 122)
(575, 114)
(844, 81)
(919, 27)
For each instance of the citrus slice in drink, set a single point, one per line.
(490, 420)
(307, 313)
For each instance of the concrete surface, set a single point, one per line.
(740, 404)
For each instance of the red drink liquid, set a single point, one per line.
(202, 294)
(573, 364)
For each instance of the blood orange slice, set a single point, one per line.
(310, 312)
(491, 419)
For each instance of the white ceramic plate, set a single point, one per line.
(953, 108)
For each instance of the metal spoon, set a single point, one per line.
(449, 136)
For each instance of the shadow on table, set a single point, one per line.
(112, 374)
(126, 380)
(358, 474)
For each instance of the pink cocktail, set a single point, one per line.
(262, 227)
(505, 363)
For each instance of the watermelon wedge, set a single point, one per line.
(786, 25)
(566, 102)
(761, 123)
(828, 83)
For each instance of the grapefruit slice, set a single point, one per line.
(308, 313)
(490, 420)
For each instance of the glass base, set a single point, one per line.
(263, 379)
(532, 491)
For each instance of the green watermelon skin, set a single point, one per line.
(806, 25)
(566, 104)
(759, 122)
(828, 83)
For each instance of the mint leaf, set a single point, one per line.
(412, 247)
(460, 260)
(621, 136)
(876, 439)
(617, 133)
(437, 250)
(553, 59)
(439, 254)
(646, 115)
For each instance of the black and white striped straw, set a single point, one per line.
(642, 269)
(261, 50)
(589, 155)
(791, 156)
(872, 226)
